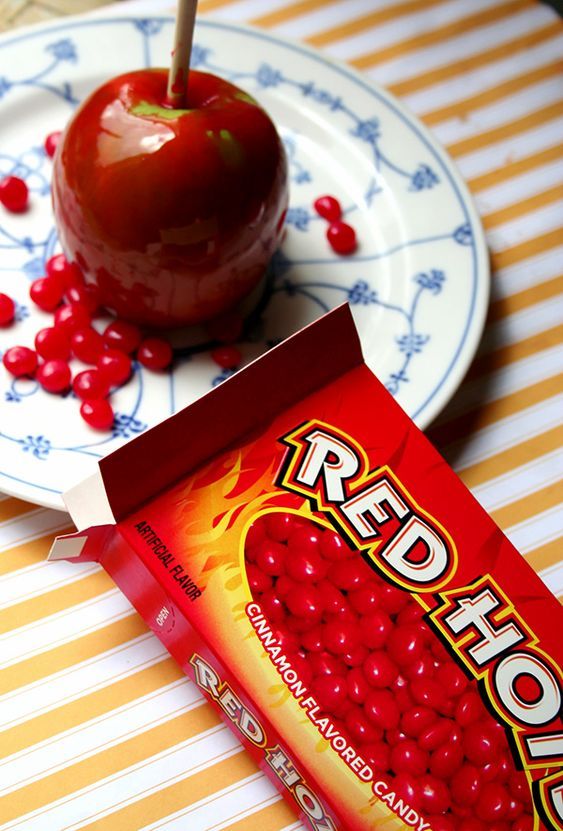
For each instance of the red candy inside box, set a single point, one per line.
(381, 677)
(312, 563)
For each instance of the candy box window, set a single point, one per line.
(377, 643)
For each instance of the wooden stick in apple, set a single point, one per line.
(180, 66)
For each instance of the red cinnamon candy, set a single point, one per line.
(336, 565)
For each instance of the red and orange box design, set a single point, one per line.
(309, 559)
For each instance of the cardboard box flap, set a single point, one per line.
(84, 546)
(88, 502)
(144, 466)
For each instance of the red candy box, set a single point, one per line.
(379, 646)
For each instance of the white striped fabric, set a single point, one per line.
(98, 727)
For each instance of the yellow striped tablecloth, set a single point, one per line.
(98, 727)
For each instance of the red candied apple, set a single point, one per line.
(173, 213)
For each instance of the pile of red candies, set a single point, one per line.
(385, 680)
(74, 305)
(341, 236)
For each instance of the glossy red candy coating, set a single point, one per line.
(288, 642)
(87, 345)
(422, 667)
(480, 744)
(272, 606)
(326, 664)
(7, 309)
(360, 727)
(405, 644)
(441, 822)
(341, 636)
(20, 361)
(417, 719)
(328, 207)
(523, 823)
(393, 600)
(469, 709)
(90, 384)
(407, 757)
(115, 365)
(427, 692)
(348, 575)
(175, 214)
(342, 237)
(97, 413)
(435, 735)
(356, 656)
(472, 824)
(333, 547)
(301, 666)
(490, 771)
(72, 317)
(515, 809)
(14, 194)
(155, 354)
(493, 803)
(334, 600)
(47, 293)
(434, 795)
(278, 526)
(466, 785)
(306, 602)
(89, 296)
(380, 670)
(54, 375)
(51, 143)
(303, 540)
(284, 584)
(52, 342)
(227, 357)
(358, 687)
(376, 628)
(446, 760)
(505, 768)
(258, 580)
(395, 736)
(122, 335)
(304, 563)
(462, 811)
(377, 755)
(408, 787)
(381, 709)
(270, 557)
(330, 692)
(312, 640)
(518, 786)
(412, 613)
(365, 599)
(452, 679)
(69, 273)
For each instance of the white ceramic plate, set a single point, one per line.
(418, 285)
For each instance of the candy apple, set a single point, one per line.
(173, 213)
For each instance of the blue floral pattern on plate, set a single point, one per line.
(421, 247)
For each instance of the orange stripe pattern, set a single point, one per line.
(99, 729)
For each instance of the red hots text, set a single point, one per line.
(478, 623)
(521, 682)
(219, 691)
(371, 507)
